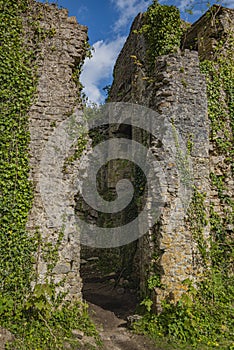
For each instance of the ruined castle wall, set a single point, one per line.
(176, 90)
(59, 51)
(206, 33)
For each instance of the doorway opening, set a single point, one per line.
(111, 276)
(110, 279)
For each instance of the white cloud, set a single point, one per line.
(128, 9)
(100, 67)
(200, 7)
(228, 3)
(185, 4)
(82, 11)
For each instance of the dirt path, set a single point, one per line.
(114, 333)
(109, 308)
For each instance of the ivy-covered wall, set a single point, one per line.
(42, 50)
(59, 55)
(213, 37)
(41, 53)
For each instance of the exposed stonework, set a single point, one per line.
(177, 90)
(209, 30)
(57, 56)
(6, 337)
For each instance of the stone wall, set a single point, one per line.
(205, 34)
(58, 53)
(176, 90)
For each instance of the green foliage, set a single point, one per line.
(17, 90)
(154, 281)
(48, 324)
(49, 251)
(202, 318)
(76, 78)
(77, 72)
(81, 146)
(162, 29)
(220, 80)
(147, 303)
(204, 314)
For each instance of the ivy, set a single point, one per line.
(17, 90)
(162, 29)
(220, 82)
(220, 85)
(197, 219)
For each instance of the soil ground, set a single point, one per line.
(109, 307)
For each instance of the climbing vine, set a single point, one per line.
(162, 29)
(17, 90)
(220, 82)
(203, 317)
(197, 218)
(220, 87)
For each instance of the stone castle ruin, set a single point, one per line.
(176, 90)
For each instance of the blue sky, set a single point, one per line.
(108, 24)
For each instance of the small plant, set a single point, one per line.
(147, 302)
(154, 282)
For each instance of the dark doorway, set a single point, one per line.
(110, 278)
